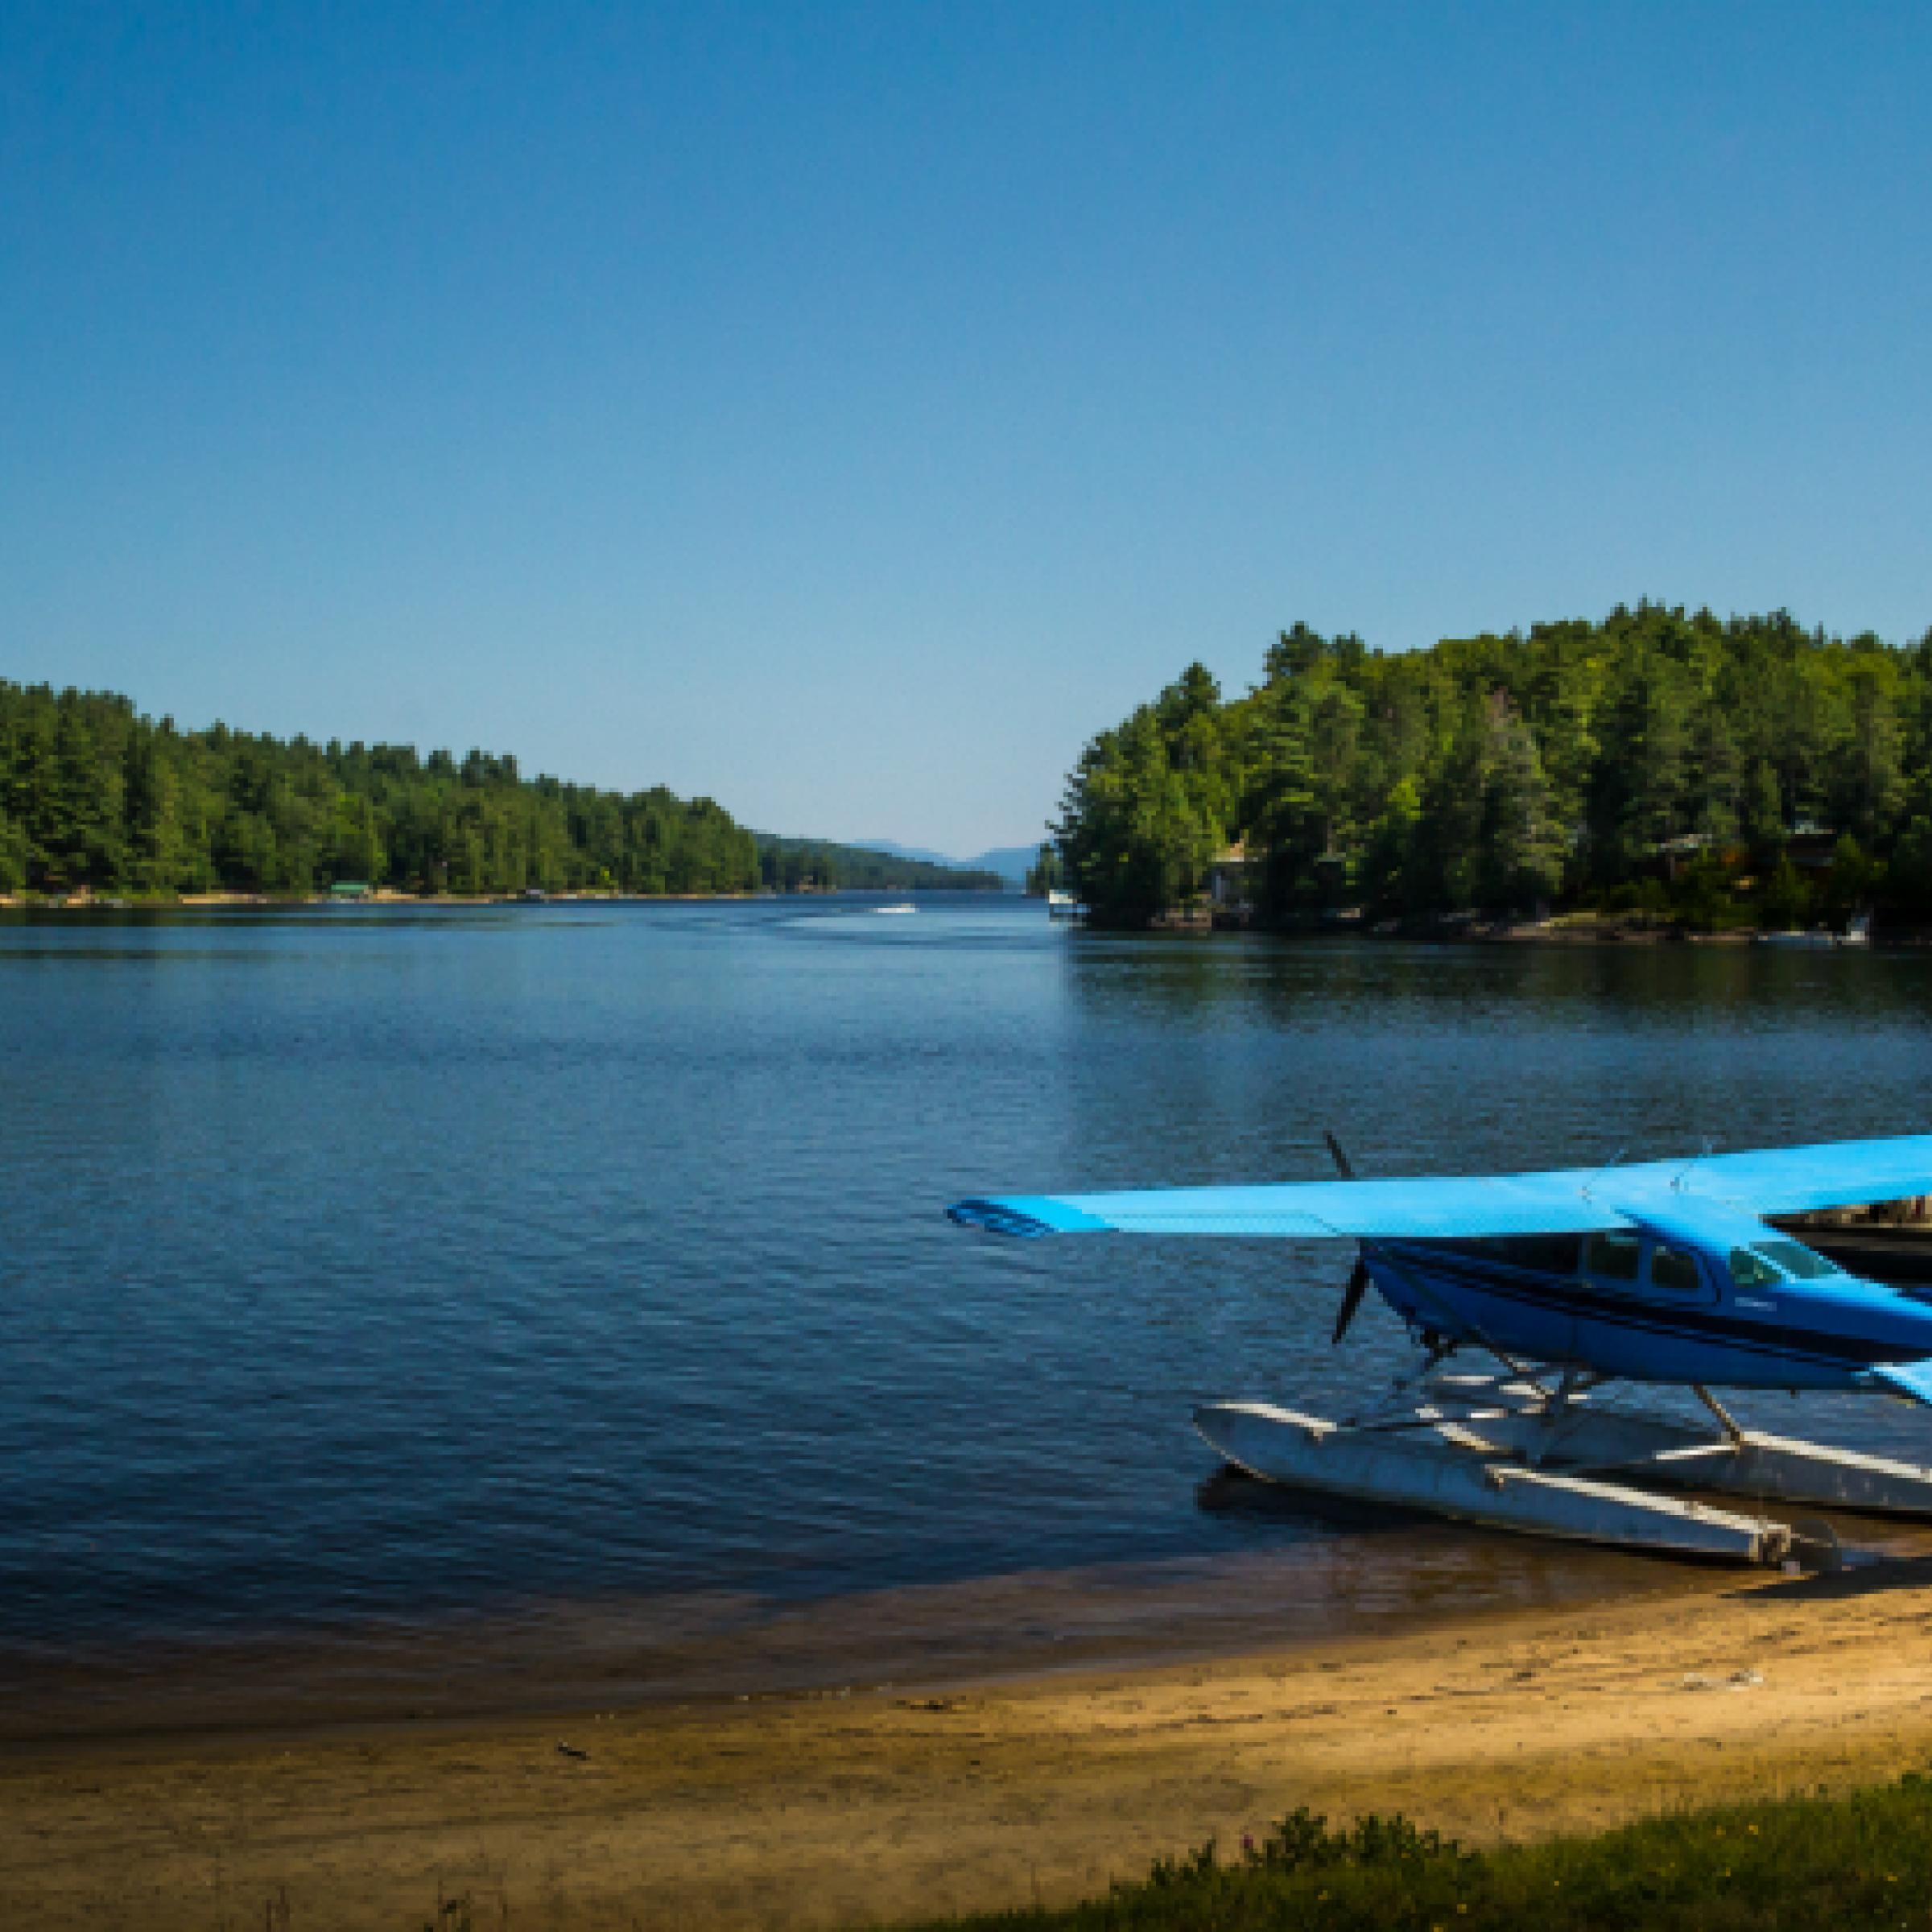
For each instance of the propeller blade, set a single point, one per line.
(1352, 1299)
(1341, 1159)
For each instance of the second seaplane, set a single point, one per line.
(1665, 1273)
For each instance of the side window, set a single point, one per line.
(1613, 1257)
(1548, 1253)
(1673, 1268)
(1751, 1271)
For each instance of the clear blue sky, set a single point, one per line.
(846, 411)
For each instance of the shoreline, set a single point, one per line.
(385, 895)
(816, 1808)
(1579, 935)
(1568, 930)
(716, 1649)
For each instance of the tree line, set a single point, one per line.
(1661, 763)
(96, 797)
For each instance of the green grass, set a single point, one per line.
(1864, 1860)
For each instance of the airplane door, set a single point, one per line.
(1613, 1274)
(1675, 1274)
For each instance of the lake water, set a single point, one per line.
(378, 1268)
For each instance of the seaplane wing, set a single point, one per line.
(1436, 1208)
(1784, 1180)
(1797, 1180)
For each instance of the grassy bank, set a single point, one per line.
(1864, 1860)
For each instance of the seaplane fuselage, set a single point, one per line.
(1667, 1271)
(1704, 1300)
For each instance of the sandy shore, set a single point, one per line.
(828, 1810)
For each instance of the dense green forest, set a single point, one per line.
(1669, 765)
(94, 797)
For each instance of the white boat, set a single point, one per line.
(1062, 905)
(1857, 932)
(899, 908)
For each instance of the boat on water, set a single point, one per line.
(1857, 932)
(901, 908)
(1062, 905)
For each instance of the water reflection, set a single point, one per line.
(415, 1264)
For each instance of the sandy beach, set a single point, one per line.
(826, 1809)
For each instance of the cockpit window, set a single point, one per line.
(1805, 1264)
(1750, 1270)
(1613, 1257)
(1673, 1268)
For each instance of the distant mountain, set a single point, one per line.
(789, 864)
(1011, 862)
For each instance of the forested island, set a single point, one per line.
(96, 799)
(1667, 765)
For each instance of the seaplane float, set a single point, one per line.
(1550, 1286)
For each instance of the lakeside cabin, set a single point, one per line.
(1232, 883)
(345, 891)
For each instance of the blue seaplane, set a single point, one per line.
(1664, 1272)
